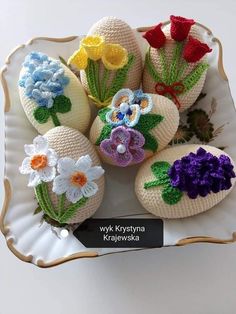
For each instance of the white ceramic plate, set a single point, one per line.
(37, 243)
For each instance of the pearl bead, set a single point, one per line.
(64, 233)
(124, 107)
(121, 149)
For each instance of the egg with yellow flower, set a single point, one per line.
(109, 59)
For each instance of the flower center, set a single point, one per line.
(121, 149)
(78, 179)
(124, 107)
(38, 162)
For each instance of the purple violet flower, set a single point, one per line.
(201, 173)
(124, 146)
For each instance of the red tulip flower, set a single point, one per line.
(155, 37)
(194, 50)
(180, 27)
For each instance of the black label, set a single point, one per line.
(120, 233)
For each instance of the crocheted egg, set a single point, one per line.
(166, 71)
(79, 172)
(119, 64)
(184, 180)
(133, 127)
(51, 95)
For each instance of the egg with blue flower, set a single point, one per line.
(134, 127)
(51, 95)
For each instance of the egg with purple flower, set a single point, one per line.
(135, 126)
(185, 180)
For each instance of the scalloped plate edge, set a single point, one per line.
(7, 186)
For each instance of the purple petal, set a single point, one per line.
(123, 160)
(138, 155)
(108, 148)
(120, 135)
(137, 140)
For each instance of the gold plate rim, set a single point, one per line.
(7, 186)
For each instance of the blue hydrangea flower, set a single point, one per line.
(43, 79)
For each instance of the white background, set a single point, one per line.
(197, 279)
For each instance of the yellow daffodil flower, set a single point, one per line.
(114, 56)
(79, 59)
(94, 46)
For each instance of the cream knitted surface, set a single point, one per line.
(187, 99)
(68, 142)
(164, 131)
(151, 198)
(116, 31)
(79, 115)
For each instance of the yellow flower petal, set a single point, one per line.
(114, 56)
(94, 46)
(79, 59)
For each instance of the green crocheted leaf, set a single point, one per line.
(164, 65)
(160, 171)
(150, 142)
(90, 75)
(151, 69)
(43, 198)
(120, 78)
(194, 76)
(62, 104)
(102, 114)
(71, 211)
(174, 66)
(41, 114)
(105, 133)
(160, 168)
(171, 195)
(148, 121)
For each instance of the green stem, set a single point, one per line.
(105, 78)
(164, 64)
(150, 67)
(96, 78)
(91, 80)
(182, 69)
(47, 199)
(173, 74)
(151, 184)
(54, 117)
(71, 210)
(40, 195)
(61, 201)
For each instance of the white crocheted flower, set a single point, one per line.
(76, 178)
(40, 162)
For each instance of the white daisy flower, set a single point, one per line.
(76, 178)
(40, 163)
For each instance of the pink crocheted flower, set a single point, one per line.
(124, 146)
